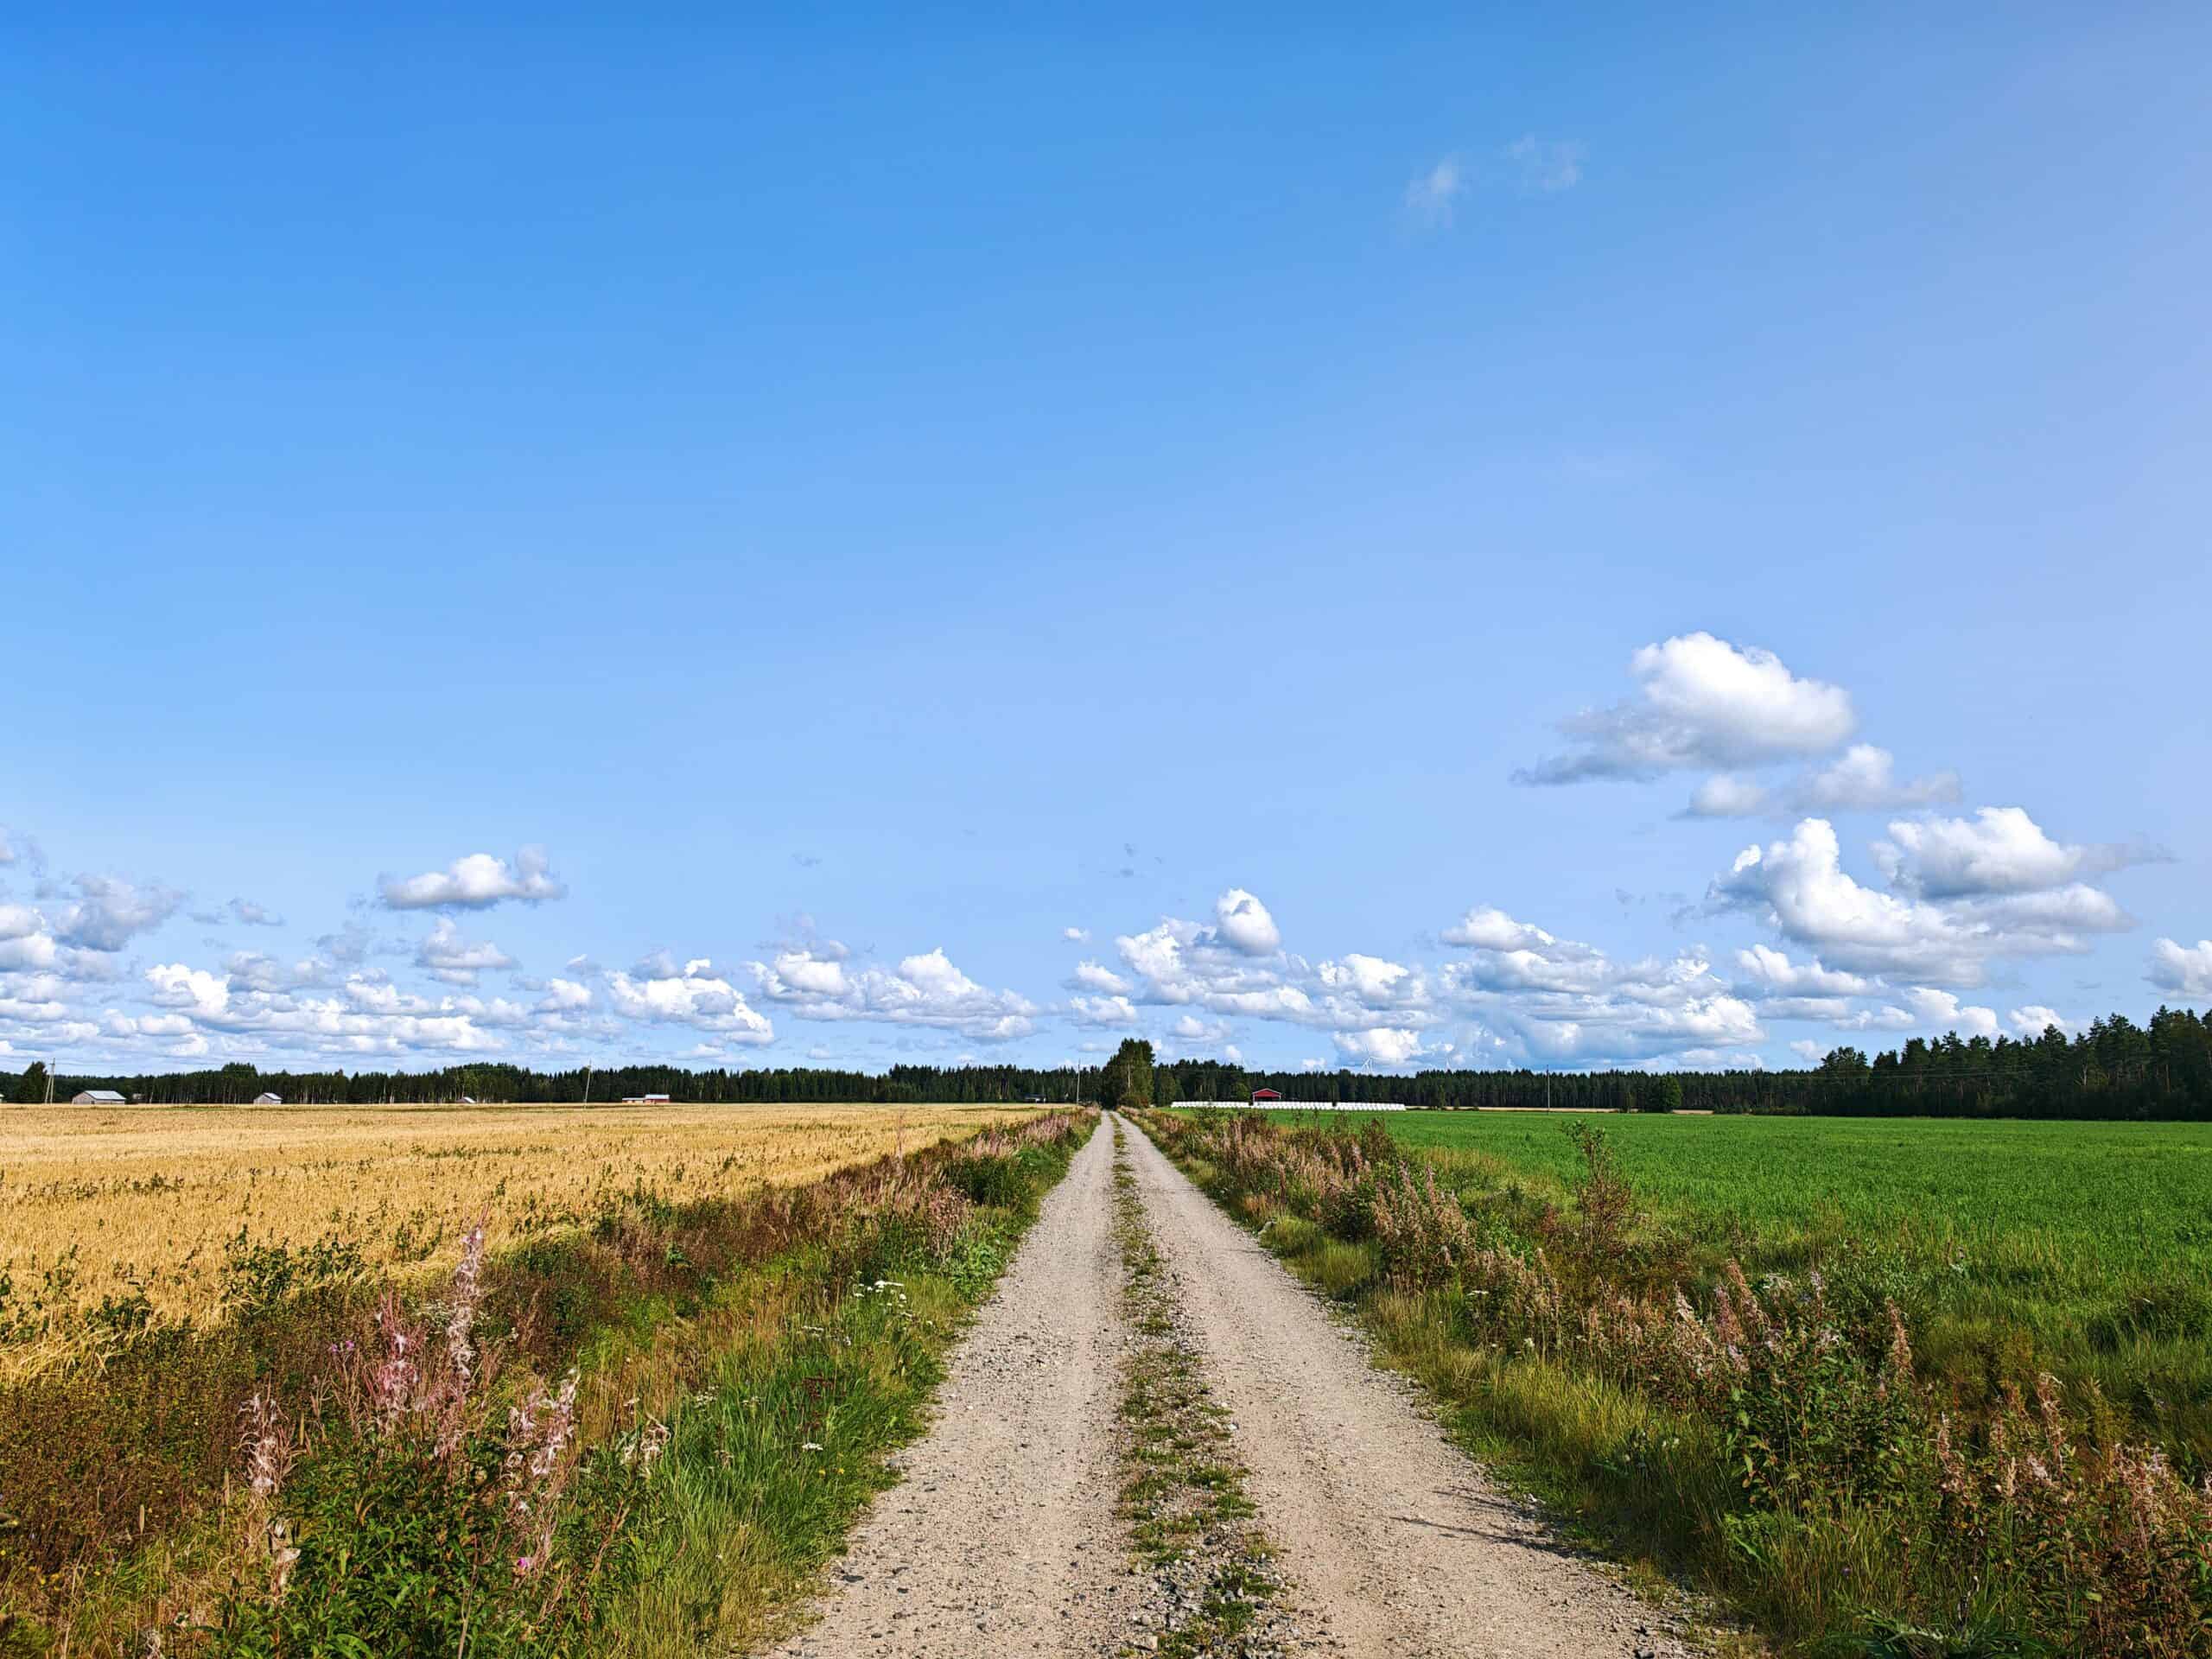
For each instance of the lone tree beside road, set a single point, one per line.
(1127, 1080)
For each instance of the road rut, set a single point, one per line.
(1003, 1538)
(1385, 1527)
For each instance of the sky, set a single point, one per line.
(1578, 540)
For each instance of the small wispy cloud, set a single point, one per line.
(1544, 166)
(1529, 166)
(1431, 193)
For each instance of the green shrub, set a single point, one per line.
(998, 1182)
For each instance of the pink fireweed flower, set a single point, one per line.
(460, 1317)
(393, 1383)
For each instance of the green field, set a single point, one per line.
(2082, 1248)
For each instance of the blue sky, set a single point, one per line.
(857, 500)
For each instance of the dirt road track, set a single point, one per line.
(1388, 1529)
(1003, 1538)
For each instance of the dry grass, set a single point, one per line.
(98, 1203)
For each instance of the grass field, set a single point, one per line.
(1893, 1388)
(159, 1212)
(2085, 1248)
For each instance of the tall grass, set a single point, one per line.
(1773, 1439)
(2079, 1248)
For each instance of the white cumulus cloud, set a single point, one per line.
(2000, 850)
(1864, 779)
(1244, 924)
(109, 911)
(1799, 887)
(1725, 795)
(924, 989)
(1382, 1046)
(565, 996)
(1942, 1011)
(475, 883)
(1102, 1010)
(691, 995)
(1099, 978)
(2034, 1019)
(448, 957)
(1703, 704)
(1774, 972)
(177, 986)
(1488, 928)
(2183, 969)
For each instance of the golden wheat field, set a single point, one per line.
(146, 1204)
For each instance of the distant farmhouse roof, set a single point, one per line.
(644, 1100)
(1267, 1094)
(97, 1097)
(269, 1100)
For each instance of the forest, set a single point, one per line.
(2115, 1068)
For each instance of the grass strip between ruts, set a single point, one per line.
(1183, 1499)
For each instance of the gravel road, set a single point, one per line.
(1387, 1530)
(1002, 1538)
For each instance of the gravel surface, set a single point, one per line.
(1003, 1538)
(1211, 1584)
(1384, 1527)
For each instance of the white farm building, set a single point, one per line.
(269, 1100)
(1268, 1100)
(97, 1097)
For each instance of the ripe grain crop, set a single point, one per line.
(115, 1218)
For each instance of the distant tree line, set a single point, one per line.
(2116, 1069)
(239, 1083)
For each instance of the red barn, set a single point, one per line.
(1259, 1095)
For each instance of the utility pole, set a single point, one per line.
(587, 1085)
